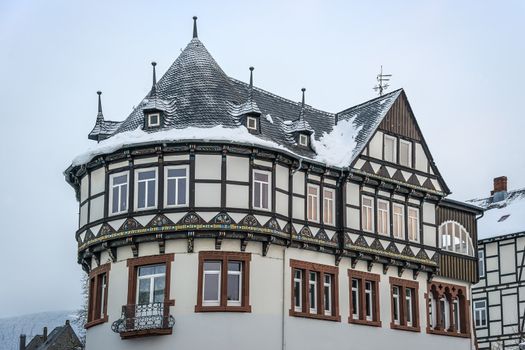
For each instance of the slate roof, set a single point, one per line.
(60, 338)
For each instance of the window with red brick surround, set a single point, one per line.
(447, 310)
(404, 296)
(364, 298)
(98, 296)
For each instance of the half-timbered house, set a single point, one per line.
(218, 214)
(499, 297)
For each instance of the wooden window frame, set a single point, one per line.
(417, 224)
(372, 213)
(224, 257)
(403, 285)
(309, 209)
(110, 194)
(95, 302)
(363, 277)
(254, 119)
(484, 309)
(378, 212)
(269, 190)
(305, 138)
(451, 292)
(481, 263)
(403, 226)
(331, 207)
(166, 179)
(155, 191)
(150, 124)
(321, 270)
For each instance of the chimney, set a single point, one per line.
(22, 341)
(499, 192)
(44, 334)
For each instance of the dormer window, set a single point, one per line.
(153, 120)
(303, 140)
(251, 123)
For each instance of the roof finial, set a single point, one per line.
(99, 114)
(302, 104)
(195, 27)
(153, 87)
(301, 115)
(251, 77)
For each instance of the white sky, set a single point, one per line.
(460, 64)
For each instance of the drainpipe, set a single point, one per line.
(283, 314)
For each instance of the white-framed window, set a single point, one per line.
(234, 283)
(367, 213)
(153, 120)
(396, 312)
(251, 123)
(409, 306)
(481, 258)
(355, 298)
(103, 287)
(303, 140)
(118, 194)
(455, 238)
(327, 294)
(151, 282)
(312, 291)
(298, 290)
(313, 203)
(480, 313)
(145, 188)
(413, 224)
(444, 308)
(390, 149)
(369, 290)
(457, 315)
(211, 291)
(383, 217)
(405, 153)
(176, 186)
(261, 189)
(398, 220)
(329, 206)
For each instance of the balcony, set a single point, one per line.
(144, 320)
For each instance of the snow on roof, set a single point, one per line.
(502, 217)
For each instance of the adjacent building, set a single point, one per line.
(218, 214)
(499, 297)
(60, 338)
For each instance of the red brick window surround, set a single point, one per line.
(447, 310)
(223, 282)
(314, 291)
(98, 296)
(404, 304)
(364, 298)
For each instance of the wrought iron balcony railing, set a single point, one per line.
(144, 319)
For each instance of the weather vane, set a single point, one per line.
(382, 80)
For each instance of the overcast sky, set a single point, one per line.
(460, 65)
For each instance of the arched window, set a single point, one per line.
(453, 237)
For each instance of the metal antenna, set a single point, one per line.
(382, 80)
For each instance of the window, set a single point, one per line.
(390, 149)
(405, 309)
(153, 120)
(447, 309)
(251, 123)
(481, 257)
(313, 203)
(364, 298)
(454, 238)
(223, 283)
(367, 213)
(151, 283)
(118, 194)
(383, 217)
(261, 190)
(176, 186)
(303, 140)
(399, 220)
(413, 224)
(480, 313)
(314, 291)
(98, 295)
(405, 153)
(329, 206)
(146, 189)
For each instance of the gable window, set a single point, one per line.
(383, 217)
(481, 258)
(413, 224)
(313, 203)
(447, 309)
(261, 190)
(314, 291)
(153, 120)
(364, 298)
(454, 238)
(390, 148)
(223, 283)
(118, 194)
(367, 213)
(398, 219)
(303, 140)
(480, 313)
(146, 188)
(328, 206)
(176, 186)
(405, 153)
(98, 296)
(405, 307)
(251, 123)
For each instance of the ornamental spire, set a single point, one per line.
(195, 27)
(251, 82)
(302, 106)
(153, 87)
(99, 114)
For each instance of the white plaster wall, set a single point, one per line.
(118, 165)
(429, 213)
(281, 203)
(98, 180)
(429, 236)
(83, 214)
(421, 158)
(208, 166)
(237, 196)
(298, 208)
(281, 177)
(207, 195)
(237, 168)
(96, 210)
(298, 183)
(262, 162)
(352, 194)
(352, 218)
(376, 146)
(174, 158)
(147, 160)
(507, 259)
(84, 188)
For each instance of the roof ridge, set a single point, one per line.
(370, 101)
